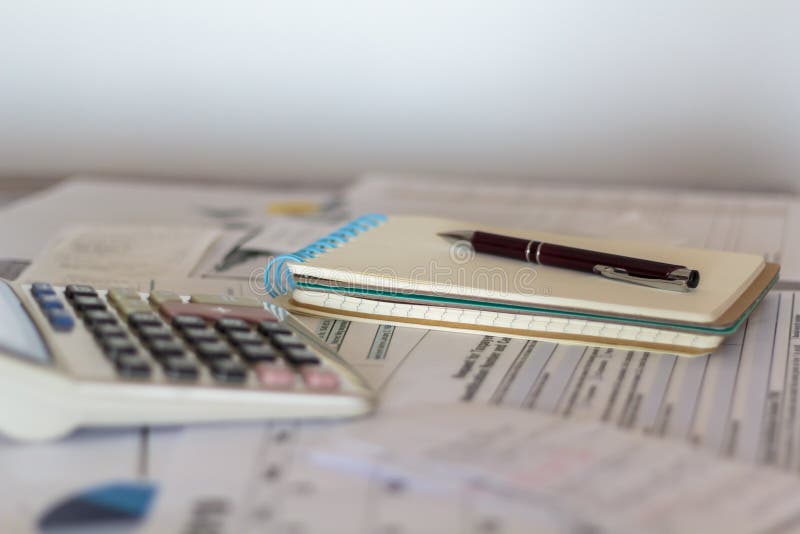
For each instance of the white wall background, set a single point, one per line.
(700, 92)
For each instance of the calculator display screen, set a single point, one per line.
(18, 334)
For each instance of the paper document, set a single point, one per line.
(38, 477)
(460, 469)
(375, 351)
(117, 255)
(740, 402)
(287, 234)
(96, 200)
(738, 222)
(243, 255)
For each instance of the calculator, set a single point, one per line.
(77, 356)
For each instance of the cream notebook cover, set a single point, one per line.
(379, 266)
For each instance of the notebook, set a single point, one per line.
(397, 270)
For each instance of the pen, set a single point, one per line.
(634, 270)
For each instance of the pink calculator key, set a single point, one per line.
(320, 379)
(274, 376)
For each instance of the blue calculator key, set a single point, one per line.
(42, 288)
(60, 319)
(49, 302)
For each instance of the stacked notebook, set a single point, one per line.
(397, 270)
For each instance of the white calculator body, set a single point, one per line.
(74, 356)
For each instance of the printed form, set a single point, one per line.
(741, 401)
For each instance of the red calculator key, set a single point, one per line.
(212, 312)
(317, 379)
(274, 376)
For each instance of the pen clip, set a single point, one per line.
(617, 273)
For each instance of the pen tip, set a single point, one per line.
(457, 235)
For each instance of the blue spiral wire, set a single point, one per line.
(277, 277)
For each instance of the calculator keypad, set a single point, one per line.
(98, 317)
(76, 290)
(199, 335)
(210, 351)
(144, 318)
(48, 302)
(109, 330)
(270, 328)
(40, 288)
(188, 321)
(242, 338)
(52, 307)
(164, 348)
(258, 353)
(274, 376)
(151, 332)
(116, 347)
(180, 369)
(301, 356)
(228, 371)
(60, 319)
(85, 303)
(231, 324)
(320, 380)
(132, 367)
(212, 312)
(229, 338)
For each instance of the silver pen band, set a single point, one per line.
(536, 255)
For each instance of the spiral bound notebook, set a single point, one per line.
(398, 270)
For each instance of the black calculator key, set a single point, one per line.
(150, 332)
(95, 317)
(301, 357)
(228, 371)
(188, 321)
(258, 353)
(41, 288)
(143, 318)
(116, 347)
(78, 290)
(200, 335)
(84, 303)
(248, 337)
(215, 350)
(132, 366)
(270, 328)
(180, 369)
(60, 319)
(109, 330)
(231, 324)
(287, 341)
(165, 348)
